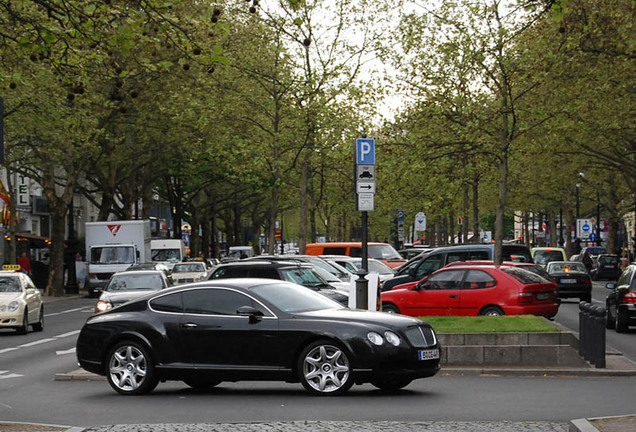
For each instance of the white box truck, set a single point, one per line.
(113, 246)
(168, 251)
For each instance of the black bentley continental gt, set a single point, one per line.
(254, 329)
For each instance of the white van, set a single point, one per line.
(168, 251)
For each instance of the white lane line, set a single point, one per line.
(70, 351)
(71, 333)
(37, 342)
(82, 309)
(3, 376)
(7, 350)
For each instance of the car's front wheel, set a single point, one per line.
(39, 326)
(24, 326)
(621, 321)
(324, 369)
(130, 369)
(389, 308)
(609, 319)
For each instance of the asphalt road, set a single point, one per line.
(28, 392)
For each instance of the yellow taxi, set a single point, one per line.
(21, 302)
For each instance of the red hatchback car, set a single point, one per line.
(475, 290)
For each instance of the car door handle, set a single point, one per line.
(189, 325)
(452, 296)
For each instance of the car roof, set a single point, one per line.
(138, 272)
(263, 263)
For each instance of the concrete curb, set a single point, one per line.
(625, 423)
(37, 427)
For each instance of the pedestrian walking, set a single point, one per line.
(25, 263)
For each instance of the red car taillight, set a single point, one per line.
(526, 297)
(630, 297)
(587, 281)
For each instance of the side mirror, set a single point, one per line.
(254, 314)
(411, 272)
(610, 285)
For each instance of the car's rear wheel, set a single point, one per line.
(130, 369)
(39, 326)
(389, 308)
(391, 383)
(492, 311)
(24, 327)
(609, 319)
(201, 383)
(621, 322)
(324, 369)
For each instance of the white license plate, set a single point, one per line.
(428, 354)
(542, 296)
(566, 281)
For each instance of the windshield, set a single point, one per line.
(134, 282)
(566, 267)
(113, 255)
(188, 268)
(171, 255)
(293, 299)
(384, 252)
(545, 256)
(303, 276)
(9, 284)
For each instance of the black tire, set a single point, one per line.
(390, 308)
(621, 322)
(324, 369)
(391, 383)
(201, 383)
(24, 327)
(610, 323)
(130, 369)
(39, 326)
(492, 311)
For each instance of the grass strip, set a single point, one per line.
(482, 324)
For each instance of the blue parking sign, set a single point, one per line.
(365, 151)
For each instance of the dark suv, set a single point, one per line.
(427, 263)
(302, 274)
(621, 302)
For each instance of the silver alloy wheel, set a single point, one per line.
(128, 368)
(326, 368)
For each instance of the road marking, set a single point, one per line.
(70, 351)
(7, 350)
(37, 342)
(71, 333)
(82, 309)
(3, 376)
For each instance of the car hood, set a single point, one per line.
(186, 275)
(363, 316)
(10, 296)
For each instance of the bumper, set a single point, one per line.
(547, 310)
(629, 312)
(94, 286)
(11, 319)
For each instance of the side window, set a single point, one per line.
(457, 256)
(450, 279)
(355, 252)
(477, 279)
(264, 273)
(217, 302)
(168, 303)
(334, 251)
(479, 256)
(429, 265)
(625, 276)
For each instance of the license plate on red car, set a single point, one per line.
(429, 354)
(542, 296)
(566, 281)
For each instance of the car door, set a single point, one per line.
(622, 286)
(477, 291)
(33, 298)
(217, 337)
(438, 295)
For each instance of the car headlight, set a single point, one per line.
(103, 306)
(13, 306)
(392, 338)
(375, 338)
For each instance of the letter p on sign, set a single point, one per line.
(365, 151)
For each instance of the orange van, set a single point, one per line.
(381, 251)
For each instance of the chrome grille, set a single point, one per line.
(421, 336)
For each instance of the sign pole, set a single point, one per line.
(364, 171)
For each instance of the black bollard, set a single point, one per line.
(599, 326)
